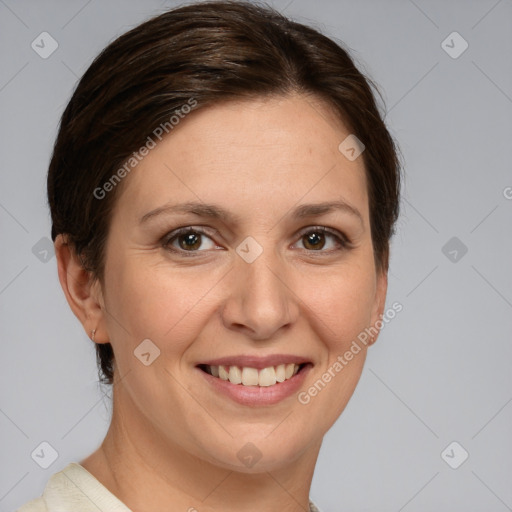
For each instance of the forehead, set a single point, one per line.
(247, 153)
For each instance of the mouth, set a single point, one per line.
(254, 377)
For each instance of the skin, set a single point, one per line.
(173, 439)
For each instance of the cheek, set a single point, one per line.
(152, 301)
(339, 312)
(340, 303)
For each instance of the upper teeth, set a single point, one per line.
(254, 377)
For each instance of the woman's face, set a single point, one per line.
(251, 274)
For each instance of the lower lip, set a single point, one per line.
(258, 395)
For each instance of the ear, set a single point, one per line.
(83, 293)
(379, 301)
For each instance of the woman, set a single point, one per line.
(223, 191)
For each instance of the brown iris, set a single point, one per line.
(314, 240)
(190, 241)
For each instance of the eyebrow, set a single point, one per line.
(310, 210)
(199, 209)
(217, 212)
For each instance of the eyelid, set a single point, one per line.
(342, 239)
(204, 230)
(166, 239)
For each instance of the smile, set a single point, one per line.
(248, 376)
(255, 387)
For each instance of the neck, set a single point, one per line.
(146, 472)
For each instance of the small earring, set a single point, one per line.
(93, 332)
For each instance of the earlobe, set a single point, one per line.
(82, 292)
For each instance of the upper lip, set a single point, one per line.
(257, 362)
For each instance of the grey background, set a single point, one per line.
(441, 370)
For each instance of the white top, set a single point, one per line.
(74, 489)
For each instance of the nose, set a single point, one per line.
(260, 302)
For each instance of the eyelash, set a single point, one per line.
(341, 240)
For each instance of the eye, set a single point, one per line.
(193, 240)
(320, 237)
(188, 240)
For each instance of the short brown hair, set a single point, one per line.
(210, 51)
